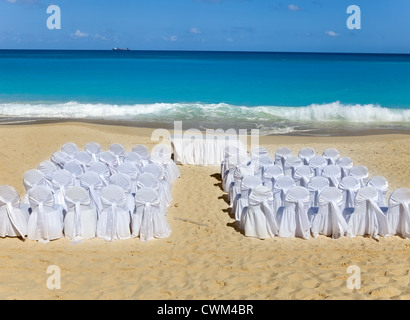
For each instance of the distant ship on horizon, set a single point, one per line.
(120, 49)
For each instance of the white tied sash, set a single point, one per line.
(146, 231)
(42, 216)
(76, 204)
(11, 214)
(111, 208)
(404, 215)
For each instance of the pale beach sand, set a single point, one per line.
(212, 260)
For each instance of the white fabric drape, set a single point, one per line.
(61, 180)
(241, 171)
(315, 186)
(345, 163)
(32, 178)
(306, 154)
(92, 182)
(47, 168)
(164, 186)
(118, 151)
(303, 175)
(361, 173)
(333, 173)
(171, 169)
(84, 159)
(281, 155)
(110, 160)
(102, 170)
(350, 187)
(149, 222)
(367, 217)
(131, 170)
(317, 163)
(293, 221)
(270, 175)
(331, 155)
(70, 148)
(382, 186)
(124, 181)
(59, 158)
(75, 169)
(143, 152)
(291, 164)
(329, 220)
(398, 213)
(80, 221)
(135, 159)
(94, 149)
(46, 221)
(280, 188)
(13, 221)
(114, 221)
(248, 183)
(258, 219)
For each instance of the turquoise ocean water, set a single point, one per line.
(275, 92)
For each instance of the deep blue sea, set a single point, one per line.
(275, 92)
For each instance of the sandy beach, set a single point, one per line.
(206, 257)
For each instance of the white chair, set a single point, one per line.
(93, 184)
(164, 190)
(263, 163)
(331, 155)
(80, 221)
(124, 181)
(70, 148)
(110, 160)
(247, 184)
(132, 171)
(281, 155)
(171, 169)
(118, 152)
(398, 213)
(361, 173)
(350, 186)
(75, 169)
(256, 154)
(306, 154)
(302, 175)
(333, 173)
(293, 219)
(258, 219)
(102, 170)
(233, 161)
(114, 221)
(32, 178)
(315, 187)
(345, 163)
(47, 168)
(94, 149)
(84, 159)
(280, 188)
(270, 175)
(241, 171)
(367, 217)
(143, 152)
(61, 180)
(59, 158)
(147, 179)
(13, 221)
(135, 159)
(291, 164)
(382, 186)
(231, 151)
(329, 219)
(149, 222)
(317, 163)
(46, 220)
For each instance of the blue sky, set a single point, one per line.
(235, 25)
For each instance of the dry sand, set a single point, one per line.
(213, 260)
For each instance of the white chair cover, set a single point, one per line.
(258, 219)
(47, 168)
(75, 169)
(361, 173)
(114, 221)
(118, 151)
(382, 186)
(102, 170)
(110, 160)
(149, 222)
(164, 186)
(306, 154)
(32, 178)
(84, 159)
(61, 180)
(233, 161)
(70, 149)
(367, 217)
(163, 149)
(134, 158)
(293, 220)
(262, 164)
(291, 164)
(345, 163)
(147, 180)
(59, 158)
(241, 171)
(270, 175)
(234, 152)
(398, 213)
(92, 182)
(256, 154)
(281, 155)
(350, 187)
(317, 163)
(331, 155)
(302, 175)
(124, 181)
(132, 171)
(248, 183)
(333, 173)
(13, 221)
(94, 149)
(329, 220)
(171, 169)
(315, 187)
(80, 221)
(143, 152)
(46, 220)
(280, 188)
